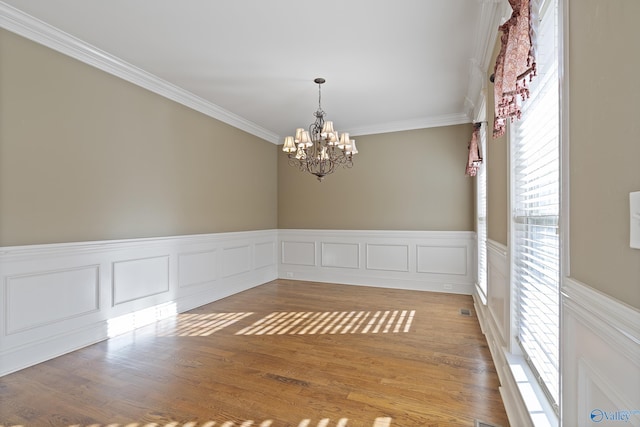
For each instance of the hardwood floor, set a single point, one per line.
(283, 354)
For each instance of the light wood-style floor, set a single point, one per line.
(285, 353)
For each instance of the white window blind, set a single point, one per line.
(536, 210)
(481, 197)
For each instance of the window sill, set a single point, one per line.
(537, 405)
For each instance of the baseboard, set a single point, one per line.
(58, 298)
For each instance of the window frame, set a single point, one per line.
(513, 345)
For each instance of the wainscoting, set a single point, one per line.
(599, 351)
(61, 297)
(415, 260)
(600, 358)
(58, 298)
(494, 318)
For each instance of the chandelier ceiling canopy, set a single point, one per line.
(320, 150)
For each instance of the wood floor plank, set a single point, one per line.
(286, 353)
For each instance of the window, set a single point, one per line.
(535, 156)
(481, 220)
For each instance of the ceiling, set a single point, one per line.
(389, 65)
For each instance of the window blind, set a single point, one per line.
(481, 180)
(536, 210)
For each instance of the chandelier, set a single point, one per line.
(320, 150)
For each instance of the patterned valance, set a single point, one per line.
(475, 153)
(515, 62)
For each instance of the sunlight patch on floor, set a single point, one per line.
(200, 325)
(332, 322)
(129, 322)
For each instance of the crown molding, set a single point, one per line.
(27, 26)
(420, 123)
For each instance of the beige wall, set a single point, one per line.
(87, 156)
(604, 128)
(412, 180)
(497, 169)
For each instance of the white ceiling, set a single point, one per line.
(389, 64)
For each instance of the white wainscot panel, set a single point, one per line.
(388, 257)
(601, 399)
(498, 293)
(236, 260)
(140, 278)
(299, 253)
(383, 258)
(42, 298)
(344, 255)
(442, 260)
(264, 254)
(600, 358)
(197, 268)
